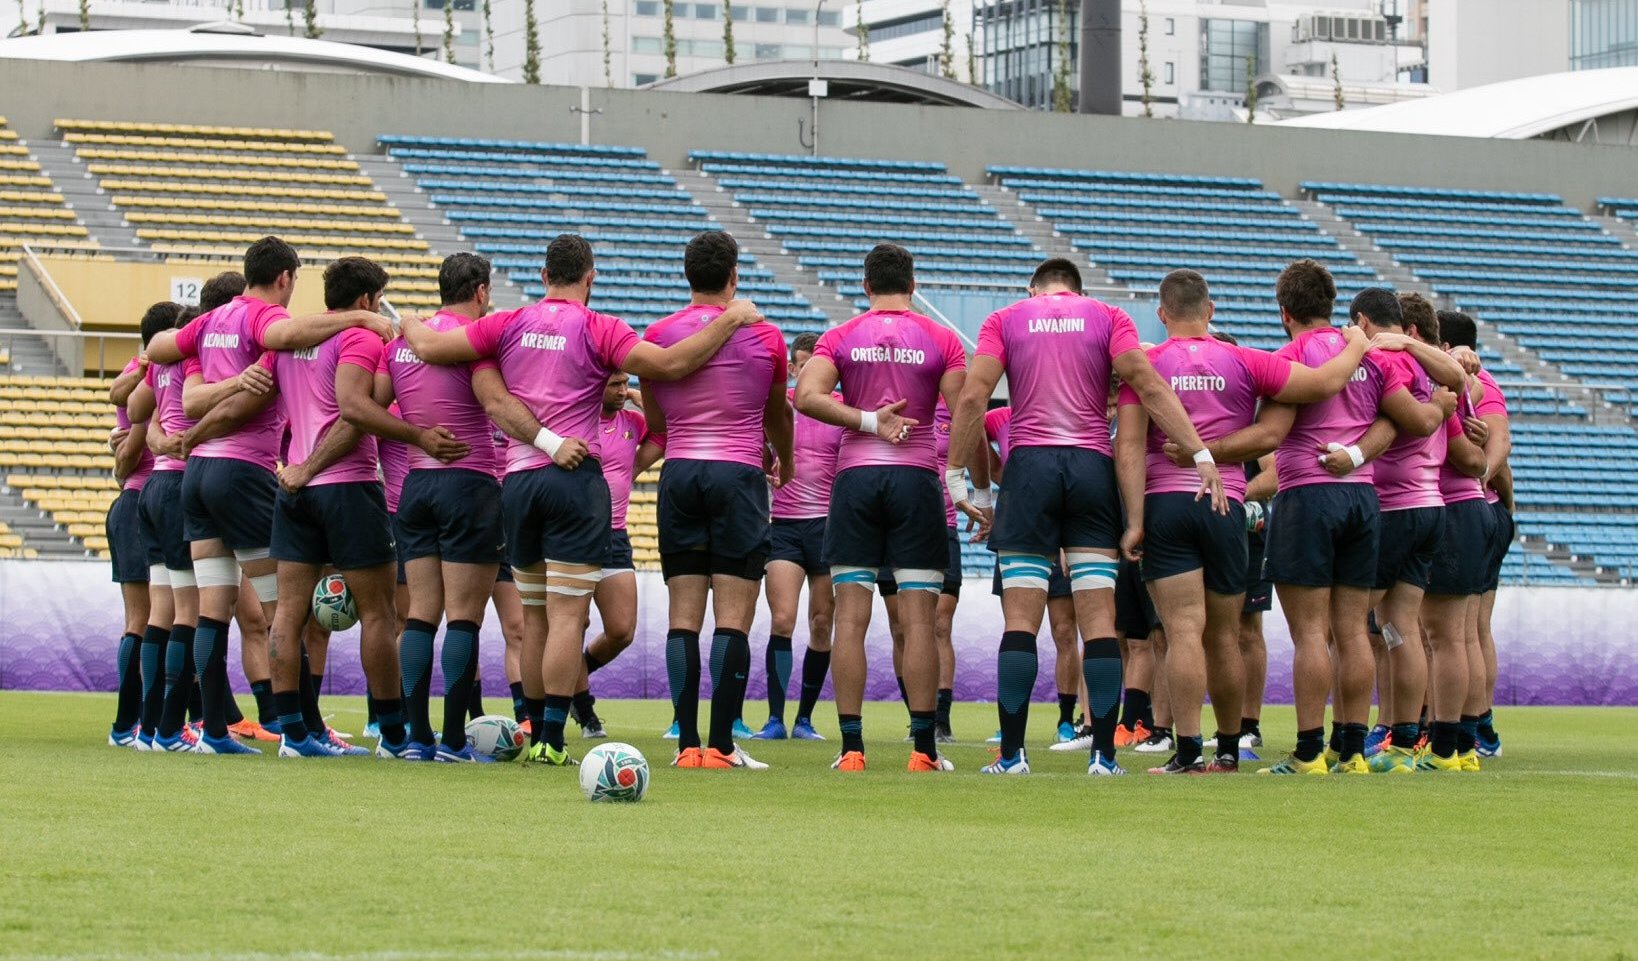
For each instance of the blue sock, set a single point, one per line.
(128, 708)
(389, 713)
(415, 664)
(210, 663)
(178, 680)
(1016, 668)
(554, 716)
(291, 722)
(460, 663)
(852, 732)
(152, 656)
(682, 666)
(779, 674)
(1101, 668)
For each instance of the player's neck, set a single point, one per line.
(721, 298)
(890, 302)
(576, 294)
(470, 310)
(1195, 331)
(1304, 326)
(267, 295)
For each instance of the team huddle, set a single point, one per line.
(1146, 500)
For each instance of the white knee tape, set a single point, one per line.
(180, 578)
(266, 587)
(1029, 571)
(253, 555)
(865, 577)
(530, 593)
(568, 584)
(1091, 572)
(216, 572)
(158, 575)
(918, 579)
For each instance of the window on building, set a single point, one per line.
(769, 51)
(830, 18)
(1226, 47)
(705, 11)
(1171, 27)
(647, 45)
(742, 13)
(643, 79)
(1169, 75)
(648, 8)
(767, 14)
(1603, 33)
(904, 28)
(797, 17)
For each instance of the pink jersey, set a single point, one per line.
(716, 412)
(998, 430)
(226, 341)
(1407, 473)
(1342, 419)
(1455, 486)
(1219, 385)
(556, 357)
(166, 381)
(621, 435)
(499, 441)
(431, 395)
(307, 398)
(1058, 350)
(941, 437)
(816, 448)
(395, 463)
(886, 356)
(1494, 403)
(145, 463)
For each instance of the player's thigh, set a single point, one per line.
(466, 588)
(616, 598)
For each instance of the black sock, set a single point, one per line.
(1136, 708)
(262, 691)
(1015, 669)
(1335, 743)
(904, 695)
(1404, 735)
(230, 706)
(1228, 746)
(474, 698)
(196, 703)
(534, 708)
(415, 674)
(583, 707)
(307, 685)
(815, 665)
(778, 664)
(1310, 744)
(371, 715)
(923, 733)
(291, 723)
(945, 697)
(1467, 733)
(210, 664)
(1353, 740)
(1250, 725)
(592, 662)
(730, 667)
(1487, 725)
(390, 715)
(519, 712)
(459, 660)
(554, 715)
(852, 732)
(179, 681)
(682, 665)
(128, 661)
(1445, 734)
(1100, 665)
(152, 658)
(1189, 749)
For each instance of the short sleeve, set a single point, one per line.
(1396, 375)
(1453, 426)
(484, 334)
(1288, 351)
(658, 440)
(187, 337)
(1269, 372)
(826, 347)
(1123, 335)
(191, 367)
(148, 375)
(266, 317)
(612, 340)
(266, 360)
(1494, 402)
(955, 358)
(994, 421)
(989, 339)
(361, 348)
(776, 349)
(1128, 396)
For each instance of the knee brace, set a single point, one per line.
(158, 575)
(216, 572)
(1031, 571)
(1091, 572)
(266, 587)
(572, 583)
(178, 579)
(841, 574)
(919, 579)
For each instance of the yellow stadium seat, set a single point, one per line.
(225, 160)
(11, 541)
(13, 150)
(191, 130)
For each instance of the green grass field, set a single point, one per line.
(113, 854)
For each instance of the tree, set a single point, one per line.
(309, 15)
(1251, 90)
(238, 9)
(489, 35)
(531, 44)
(1062, 96)
(290, 17)
(1146, 76)
(669, 30)
(863, 33)
(85, 15)
(972, 61)
(449, 31)
(608, 55)
(1336, 82)
(946, 51)
(22, 18)
(728, 31)
(415, 16)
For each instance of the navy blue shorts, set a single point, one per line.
(800, 541)
(887, 516)
(1410, 538)
(1324, 535)
(889, 586)
(504, 575)
(1182, 534)
(162, 519)
(1057, 582)
(130, 550)
(341, 524)
(713, 518)
(619, 552)
(452, 514)
(1135, 614)
(1259, 591)
(557, 515)
(1462, 564)
(228, 499)
(1057, 497)
(1503, 543)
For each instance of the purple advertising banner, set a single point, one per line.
(60, 623)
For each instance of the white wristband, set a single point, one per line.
(867, 422)
(1203, 456)
(548, 441)
(1355, 454)
(955, 484)
(983, 499)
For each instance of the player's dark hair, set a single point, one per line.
(460, 276)
(1457, 329)
(804, 343)
(1418, 313)
(188, 313)
(889, 269)
(1379, 306)
(350, 278)
(1184, 294)
(161, 316)
(709, 261)
(267, 259)
(1306, 291)
(568, 260)
(1225, 337)
(220, 289)
(1057, 270)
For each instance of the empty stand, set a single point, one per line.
(31, 209)
(58, 480)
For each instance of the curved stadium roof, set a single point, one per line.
(848, 80)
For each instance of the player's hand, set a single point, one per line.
(1336, 460)
(1390, 342)
(1446, 402)
(142, 362)
(1175, 454)
(1211, 485)
(256, 380)
(1468, 359)
(441, 443)
(1477, 431)
(1355, 335)
(185, 443)
(293, 478)
(783, 473)
(377, 325)
(741, 313)
(1131, 544)
(570, 453)
(166, 445)
(891, 424)
(116, 438)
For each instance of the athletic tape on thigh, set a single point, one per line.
(216, 571)
(181, 579)
(863, 576)
(253, 555)
(266, 587)
(1032, 571)
(1091, 572)
(918, 579)
(531, 593)
(158, 575)
(572, 583)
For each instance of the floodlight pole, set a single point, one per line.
(816, 87)
(585, 111)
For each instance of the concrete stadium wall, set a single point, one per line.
(359, 108)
